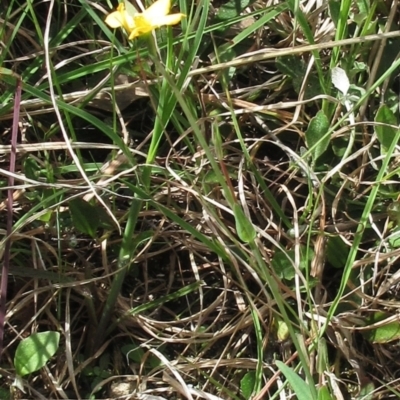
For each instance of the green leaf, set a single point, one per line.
(336, 252)
(247, 384)
(232, 9)
(316, 135)
(227, 53)
(244, 226)
(33, 352)
(282, 332)
(136, 353)
(364, 7)
(283, 266)
(5, 394)
(323, 394)
(46, 217)
(394, 239)
(295, 68)
(382, 334)
(300, 387)
(339, 146)
(385, 133)
(133, 352)
(367, 392)
(211, 176)
(323, 359)
(87, 218)
(393, 210)
(31, 168)
(334, 10)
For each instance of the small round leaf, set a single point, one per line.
(33, 352)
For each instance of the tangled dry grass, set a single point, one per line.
(197, 314)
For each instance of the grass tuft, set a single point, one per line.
(208, 211)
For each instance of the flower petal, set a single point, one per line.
(172, 19)
(142, 24)
(137, 24)
(121, 18)
(130, 8)
(114, 20)
(129, 22)
(157, 10)
(140, 31)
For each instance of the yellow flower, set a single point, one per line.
(137, 24)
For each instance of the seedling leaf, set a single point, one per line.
(385, 333)
(247, 384)
(244, 227)
(87, 218)
(323, 393)
(33, 352)
(295, 68)
(299, 386)
(232, 9)
(283, 266)
(316, 135)
(385, 133)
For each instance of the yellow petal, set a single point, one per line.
(142, 24)
(157, 10)
(134, 34)
(130, 8)
(121, 7)
(114, 20)
(129, 22)
(120, 18)
(140, 31)
(172, 19)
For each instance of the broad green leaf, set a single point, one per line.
(133, 352)
(33, 352)
(336, 252)
(244, 227)
(393, 210)
(282, 265)
(364, 6)
(382, 334)
(232, 9)
(389, 56)
(295, 68)
(316, 135)
(282, 262)
(385, 133)
(300, 387)
(100, 373)
(227, 53)
(323, 394)
(5, 394)
(366, 392)
(282, 332)
(31, 168)
(46, 217)
(212, 177)
(394, 239)
(323, 359)
(334, 11)
(87, 218)
(137, 354)
(339, 146)
(247, 384)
